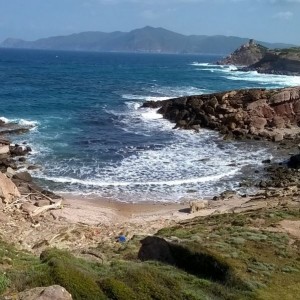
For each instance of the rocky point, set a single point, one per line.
(251, 113)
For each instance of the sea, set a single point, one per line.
(92, 138)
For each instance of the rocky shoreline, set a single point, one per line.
(255, 57)
(259, 114)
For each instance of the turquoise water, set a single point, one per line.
(91, 137)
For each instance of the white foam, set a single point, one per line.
(21, 122)
(150, 114)
(165, 172)
(24, 122)
(145, 98)
(232, 73)
(5, 120)
(197, 64)
(267, 79)
(177, 91)
(146, 183)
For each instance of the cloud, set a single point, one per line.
(283, 15)
(150, 14)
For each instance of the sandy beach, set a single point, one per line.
(87, 222)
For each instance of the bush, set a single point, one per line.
(117, 290)
(4, 283)
(73, 275)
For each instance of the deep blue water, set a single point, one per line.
(92, 138)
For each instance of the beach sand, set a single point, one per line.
(84, 222)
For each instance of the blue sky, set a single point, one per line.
(267, 20)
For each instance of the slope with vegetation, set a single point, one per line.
(246, 255)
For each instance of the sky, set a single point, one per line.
(264, 20)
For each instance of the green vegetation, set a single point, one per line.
(266, 260)
(234, 256)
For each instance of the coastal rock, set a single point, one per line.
(248, 54)
(42, 203)
(4, 149)
(281, 62)
(155, 248)
(8, 190)
(252, 113)
(54, 292)
(10, 172)
(294, 161)
(198, 205)
(24, 176)
(19, 150)
(278, 137)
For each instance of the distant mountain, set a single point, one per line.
(146, 40)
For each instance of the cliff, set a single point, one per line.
(283, 62)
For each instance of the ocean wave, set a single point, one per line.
(232, 73)
(145, 98)
(22, 122)
(198, 64)
(177, 91)
(267, 79)
(146, 183)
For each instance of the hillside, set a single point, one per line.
(147, 39)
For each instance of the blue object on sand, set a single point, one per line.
(122, 238)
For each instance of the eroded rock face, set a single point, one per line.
(54, 292)
(242, 113)
(246, 55)
(8, 190)
(278, 62)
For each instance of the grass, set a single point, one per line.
(260, 257)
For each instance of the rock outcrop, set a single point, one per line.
(247, 54)
(278, 62)
(54, 292)
(8, 190)
(255, 57)
(254, 113)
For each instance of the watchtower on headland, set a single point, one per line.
(251, 42)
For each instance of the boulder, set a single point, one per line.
(278, 122)
(155, 248)
(42, 203)
(54, 292)
(28, 208)
(258, 123)
(10, 172)
(198, 205)
(8, 190)
(4, 149)
(294, 162)
(24, 176)
(278, 137)
(19, 150)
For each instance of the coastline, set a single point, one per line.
(103, 233)
(144, 218)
